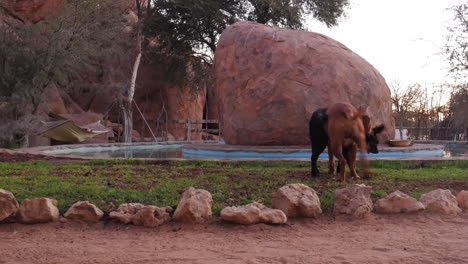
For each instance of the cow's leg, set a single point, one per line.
(317, 149)
(331, 162)
(346, 155)
(351, 159)
(362, 147)
(337, 149)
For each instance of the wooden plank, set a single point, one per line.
(188, 130)
(205, 130)
(184, 121)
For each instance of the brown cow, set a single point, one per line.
(347, 128)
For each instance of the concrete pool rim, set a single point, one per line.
(214, 145)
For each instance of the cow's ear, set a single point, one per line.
(378, 129)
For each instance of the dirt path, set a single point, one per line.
(381, 239)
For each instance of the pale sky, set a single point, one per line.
(403, 39)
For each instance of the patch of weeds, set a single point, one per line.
(327, 201)
(378, 194)
(420, 191)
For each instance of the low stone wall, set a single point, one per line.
(293, 200)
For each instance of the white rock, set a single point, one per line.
(440, 201)
(462, 199)
(398, 202)
(252, 214)
(194, 207)
(8, 205)
(37, 210)
(297, 200)
(354, 200)
(84, 211)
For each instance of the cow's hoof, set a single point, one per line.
(315, 174)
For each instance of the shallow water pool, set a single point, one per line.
(179, 151)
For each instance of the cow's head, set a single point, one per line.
(372, 140)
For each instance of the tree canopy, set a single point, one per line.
(456, 47)
(185, 32)
(36, 56)
(196, 25)
(57, 49)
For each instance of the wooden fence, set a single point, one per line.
(436, 133)
(188, 127)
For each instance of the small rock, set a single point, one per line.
(271, 216)
(354, 200)
(151, 216)
(440, 201)
(297, 200)
(246, 215)
(194, 207)
(462, 199)
(125, 212)
(252, 214)
(8, 205)
(85, 211)
(139, 214)
(169, 209)
(37, 210)
(398, 202)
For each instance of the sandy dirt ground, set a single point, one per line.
(420, 238)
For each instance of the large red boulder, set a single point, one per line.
(268, 81)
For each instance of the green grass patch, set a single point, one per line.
(231, 183)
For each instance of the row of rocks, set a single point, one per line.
(194, 207)
(356, 200)
(292, 200)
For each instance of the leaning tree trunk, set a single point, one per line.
(128, 117)
(128, 113)
(128, 122)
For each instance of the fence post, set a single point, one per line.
(188, 128)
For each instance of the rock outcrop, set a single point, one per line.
(8, 205)
(354, 200)
(297, 200)
(37, 210)
(398, 202)
(84, 211)
(34, 10)
(268, 81)
(252, 214)
(194, 207)
(440, 201)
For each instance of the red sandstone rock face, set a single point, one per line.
(157, 98)
(35, 10)
(105, 82)
(268, 81)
